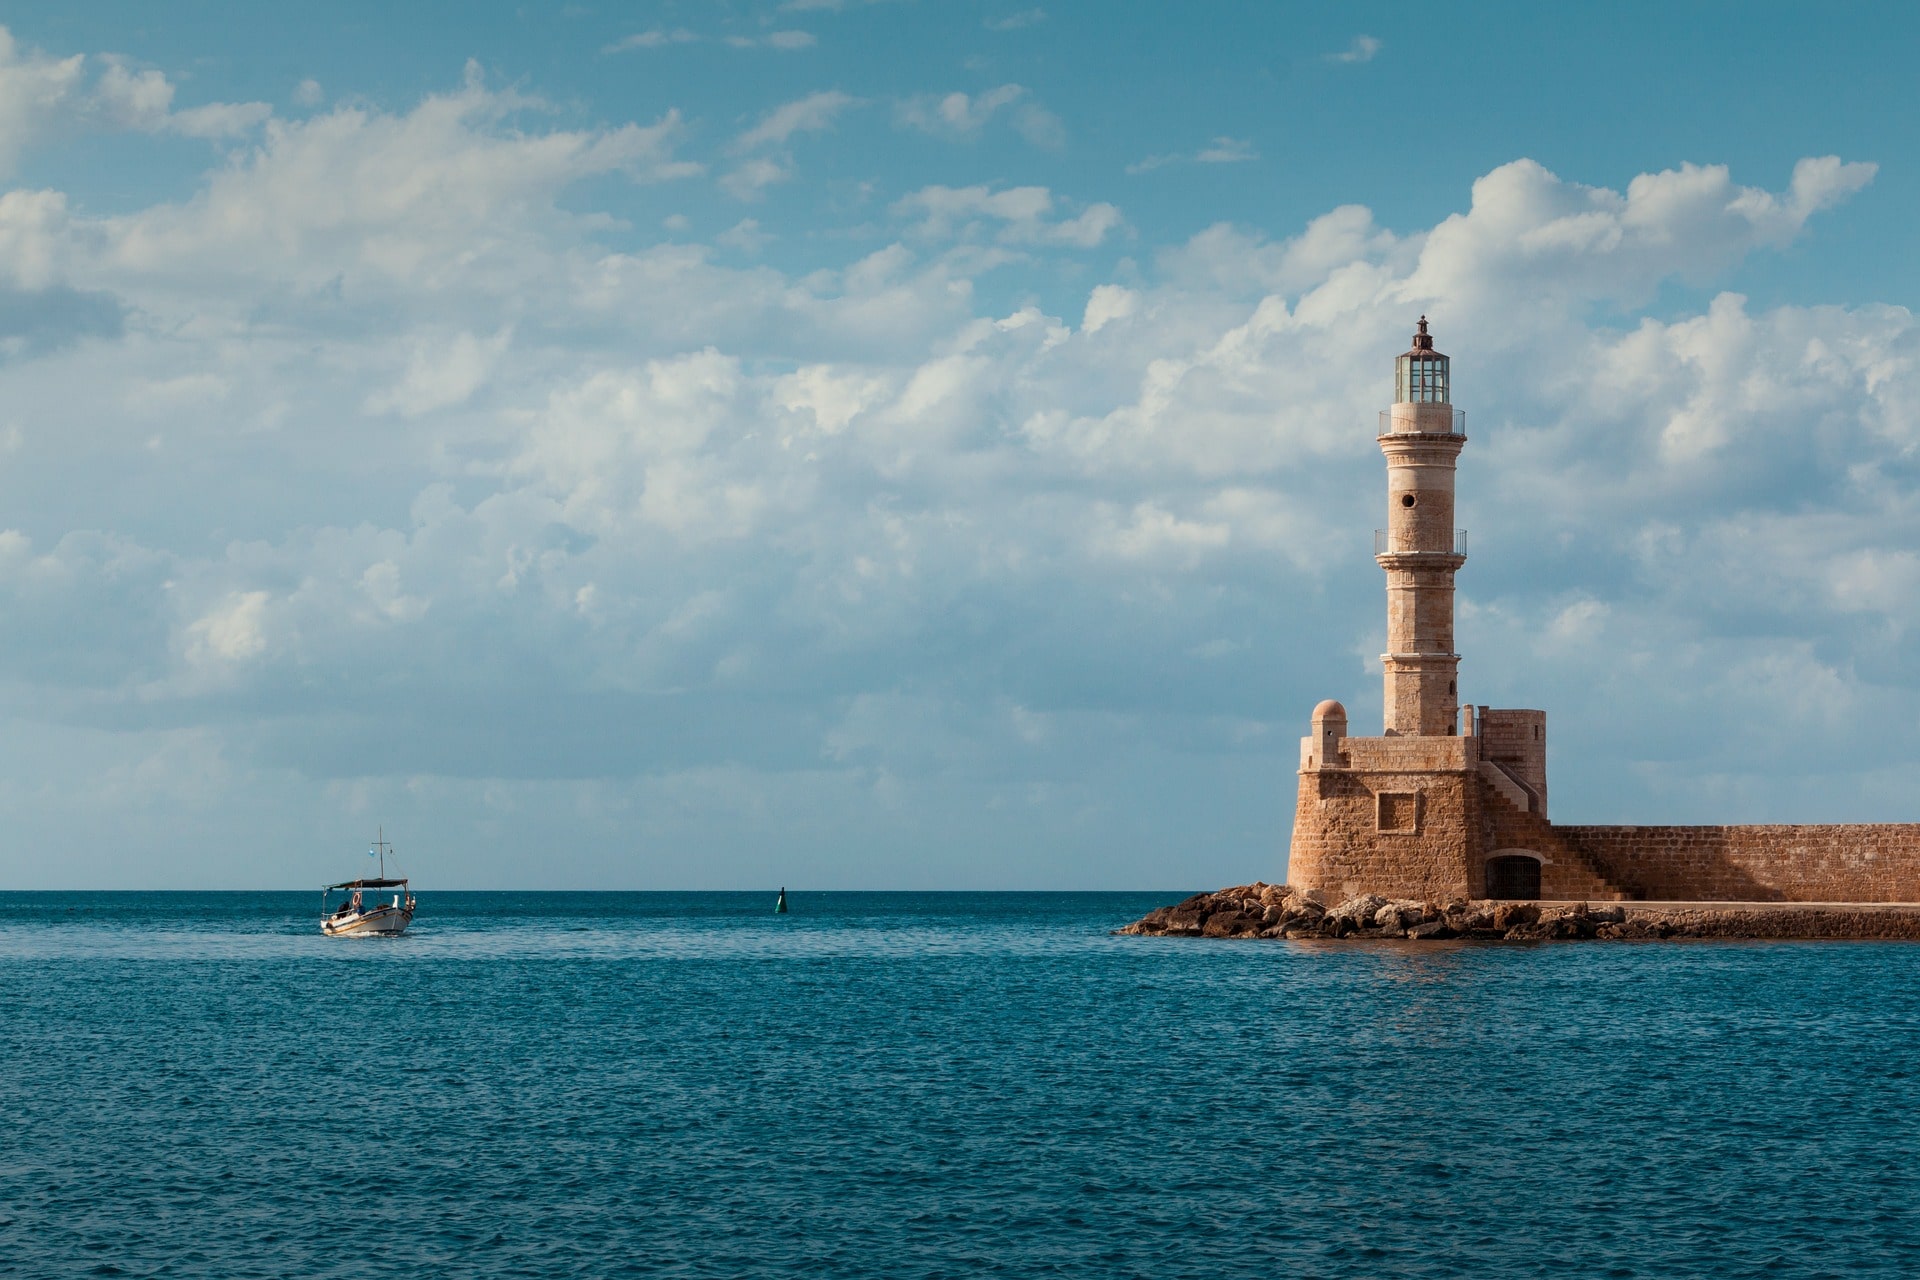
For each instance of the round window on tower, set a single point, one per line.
(1406, 499)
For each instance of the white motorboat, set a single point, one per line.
(375, 905)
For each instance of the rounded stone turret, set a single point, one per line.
(1329, 726)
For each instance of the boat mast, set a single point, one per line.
(382, 845)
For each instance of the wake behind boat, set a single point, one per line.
(368, 908)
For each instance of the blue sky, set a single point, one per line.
(924, 445)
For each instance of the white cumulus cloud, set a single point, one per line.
(1012, 215)
(386, 469)
(1363, 49)
(814, 113)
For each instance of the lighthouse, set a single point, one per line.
(1449, 801)
(1421, 436)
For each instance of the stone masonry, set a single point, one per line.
(1450, 801)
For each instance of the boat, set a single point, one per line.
(368, 907)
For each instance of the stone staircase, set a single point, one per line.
(1567, 874)
(1509, 788)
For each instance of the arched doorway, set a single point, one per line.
(1513, 875)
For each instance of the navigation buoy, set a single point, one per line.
(780, 907)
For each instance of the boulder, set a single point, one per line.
(1303, 907)
(1567, 922)
(1402, 914)
(1508, 915)
(1154, 921)
(1230, 924)
(1360, 910)
(1185, 924)
(1467, 918)
(1430, 929)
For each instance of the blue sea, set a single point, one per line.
(923, 1085)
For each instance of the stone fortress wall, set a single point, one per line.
(1840, 862)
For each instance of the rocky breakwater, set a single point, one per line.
(1274, 911)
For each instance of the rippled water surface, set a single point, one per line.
(931, 1085)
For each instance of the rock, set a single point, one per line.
(1404, 914)
(1230, 924)
(1182, 923)
(1360, 910)
(1465, 918)
(1614, 914)
(1430, 929)
(1154, 921)
(1568, 922)
(1509, 915)
(1300, 905)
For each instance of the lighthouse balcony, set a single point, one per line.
(1400, 542)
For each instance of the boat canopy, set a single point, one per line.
(369, 884)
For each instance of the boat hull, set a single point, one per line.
(388, 921)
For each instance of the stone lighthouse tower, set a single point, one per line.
(1420, 549)
(1442, 804)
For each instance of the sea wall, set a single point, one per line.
(1275, 911)
(1839, 862)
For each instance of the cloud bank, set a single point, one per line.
(369, 479)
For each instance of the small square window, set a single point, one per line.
(1397, 811)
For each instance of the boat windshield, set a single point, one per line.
(364, 896)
